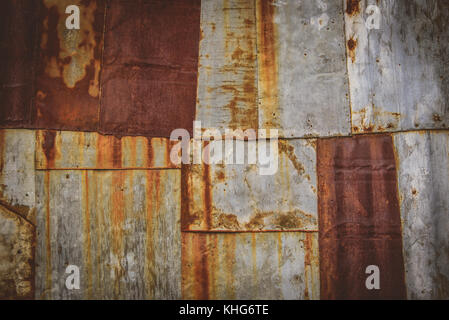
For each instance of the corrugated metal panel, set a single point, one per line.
(121, 228)
(17, 42)
(16, 256)
(303, 86)
(17, 188)
(68, 75)
(235, 197)
(423, 170)
(227, 88)
(149, 77)
(398, 74)
(359, 218)
(88, 150)
(274, 265)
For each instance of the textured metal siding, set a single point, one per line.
(68, 66)
(359, 218)
(237, 198)
(269, 265)
(398, 74)
(121, 228)
(227, 79)
(17, 198)
(149, 76)
(303, 87)
(423, 170)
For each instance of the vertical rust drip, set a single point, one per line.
(359, 218)
(207, 196)
(116, 152)
(201, 262)
(268, 64)
(2, 149)
(186, 216)
(87, 242)
(49, 147)
(48, 277)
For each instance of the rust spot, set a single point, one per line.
(227, 221)
(352, 45)
(436, 117)
(414, 192)
(288, 149)
(352, 7)
(49, 147)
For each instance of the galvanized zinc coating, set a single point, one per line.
(303, 86)
(423, 171)
(120, 227)
(398, 73)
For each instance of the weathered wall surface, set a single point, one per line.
(86, 177)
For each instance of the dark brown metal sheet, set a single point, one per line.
(67, 83)
(149, 77)
(359, 218)
(17, 39)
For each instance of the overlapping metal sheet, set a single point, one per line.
(303, 86)
(423, 171)
(359, 218)
(268, 265)
(68, 66)
(17, 201)
(149, 76)
(120, 227)
(398, 73)
(17, 43)
(236, 197)
(90, 150)
(227, 79)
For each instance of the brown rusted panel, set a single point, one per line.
(359, 218)
(68, 67)
(90, 150)
(149, 75)
(17, 40)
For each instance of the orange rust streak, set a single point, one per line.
(268, 64)
(47, 227)
(87, 244)
(201, 259)
(149, 236)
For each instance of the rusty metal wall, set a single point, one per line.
(104, 195)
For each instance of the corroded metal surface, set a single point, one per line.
(16, 256)
(120, 227)
(17, 190)
(227, 84)
(398, 73)
(423, 170)
(17, 43)
(89, 150)
(269, 265)
(303, 86)
(235, 197)
(68, 68)
(359, 218)
(149, 77)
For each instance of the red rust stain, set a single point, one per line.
(307, 263)
(268, 64)
(48, 147)
(201, 259)
(352, 45)
(359, 217)
(2, 149)
(142, 91)
(352, 7)
(207, 196)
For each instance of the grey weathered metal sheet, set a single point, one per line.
(89, 150)
(120, 227)
(270, 265)
(17, 171)
(398, 73)
(236, 197)
(16, 256)
(227, 94)
(423, 172)
(302, 77)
